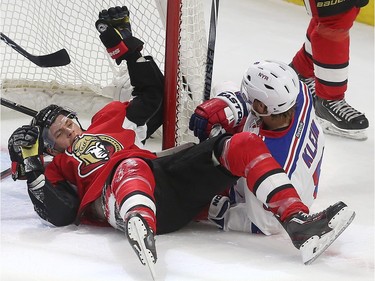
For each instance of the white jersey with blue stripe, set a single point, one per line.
(298, 149)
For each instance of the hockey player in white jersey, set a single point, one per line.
(276, 106)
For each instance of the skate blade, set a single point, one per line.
(331, 129)
(315, 246)
(138, 232)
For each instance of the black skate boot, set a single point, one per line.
(337, 117)
(312, 234)
(142, 240)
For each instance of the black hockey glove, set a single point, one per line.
(25, 149)
(116, 34)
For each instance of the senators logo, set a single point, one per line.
(93, 151)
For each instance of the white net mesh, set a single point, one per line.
(92, 78)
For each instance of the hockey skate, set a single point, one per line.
(142, 240)
(337, 117)
(313, 234)
(310, 83)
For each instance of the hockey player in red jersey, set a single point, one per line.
(323, 63)
(279, 109)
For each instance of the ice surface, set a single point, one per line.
(248, 30)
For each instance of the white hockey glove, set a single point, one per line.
(218, 211)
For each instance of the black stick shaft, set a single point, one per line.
(18, 107)
(59, 58)
(211, 49)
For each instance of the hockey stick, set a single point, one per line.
(59, 58)
(23, 109)
(211, 49)
(18, 107)
(6, 173)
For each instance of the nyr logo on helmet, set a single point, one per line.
(263, 76)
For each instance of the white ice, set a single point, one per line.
(248, 30)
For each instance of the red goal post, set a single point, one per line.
(185, 57)
(171, 69)
(174, 33)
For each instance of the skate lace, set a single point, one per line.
(343, 109)
(311, 217)
(310, 83)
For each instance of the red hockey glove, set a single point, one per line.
(116, 34)
(225, 110)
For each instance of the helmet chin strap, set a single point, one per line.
(79, 123)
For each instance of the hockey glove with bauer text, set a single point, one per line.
(226, 111)
(116, 34)
(26, 151)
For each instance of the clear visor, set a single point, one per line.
(61, 125)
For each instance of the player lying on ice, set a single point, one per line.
(277, 107)
(102, 176)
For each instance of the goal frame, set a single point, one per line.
(176, 28)
(170, 73)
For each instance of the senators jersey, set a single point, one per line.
(90, 160)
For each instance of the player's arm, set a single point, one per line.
(57, 204)
(227, 110)
(146, 106)
(145, 76)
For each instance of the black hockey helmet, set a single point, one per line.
(45, 118)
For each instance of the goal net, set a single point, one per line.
(173, 32)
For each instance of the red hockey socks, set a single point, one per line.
(133, 189)
(246, 155)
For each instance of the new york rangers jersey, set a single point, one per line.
(299, 151)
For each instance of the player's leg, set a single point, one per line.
(185, 184)
(130, 206)
(330, 46)
(246, 155)
(303, 60)
(326, 50)
(249, 216)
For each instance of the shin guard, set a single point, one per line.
(132, 191)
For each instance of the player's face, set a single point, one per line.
(259, 108)
(63, 132)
